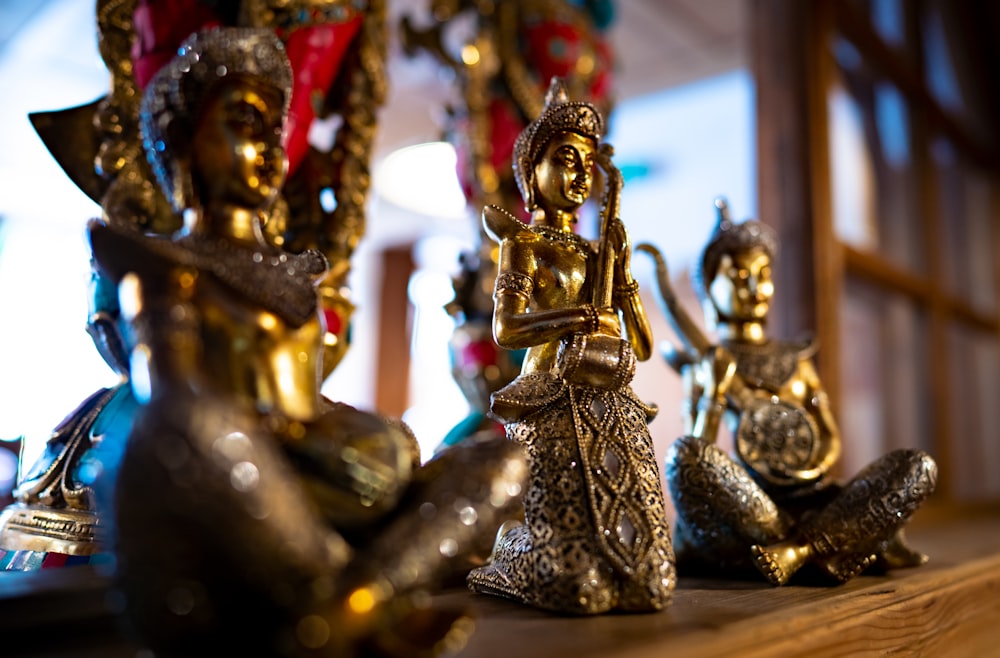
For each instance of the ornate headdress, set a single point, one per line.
(729, 238)
(173, 97)
(559, 115)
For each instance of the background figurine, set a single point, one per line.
(337, 50)
(774, 504)
(596, 537)
(253, 515)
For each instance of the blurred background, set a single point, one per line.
(863, 131)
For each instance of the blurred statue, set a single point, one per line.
(254, 516)
(596, 536)
(773, 505)
(337, 49)
(502, 65)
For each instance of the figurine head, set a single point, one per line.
(553, 155)
(734, 274)
(212, 119)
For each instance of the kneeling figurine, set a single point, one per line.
(596, 537)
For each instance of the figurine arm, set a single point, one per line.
(720, 378)
(684, 326)
(816, 400)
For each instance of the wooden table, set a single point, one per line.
(950, 607)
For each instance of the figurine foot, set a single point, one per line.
(778, 562)
(897, 554)
(845, 567)
(490, 580)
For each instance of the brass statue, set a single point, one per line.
(774, 504)
(596, 536)
(337, 49)
(254, 516)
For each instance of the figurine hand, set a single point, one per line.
(719, 372)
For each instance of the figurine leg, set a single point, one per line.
(898, 554)
(456, 497)
(844, 537)
(721, 510)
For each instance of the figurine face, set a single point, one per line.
(564, 173)
(237, 154)
(742, 288)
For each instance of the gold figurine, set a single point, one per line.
(255, 517)
(596, 537)
(338, 52)
(773, 505)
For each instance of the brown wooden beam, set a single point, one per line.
(393, 357)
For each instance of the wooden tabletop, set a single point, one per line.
(949, 607)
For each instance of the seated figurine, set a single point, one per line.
(774, 504)
(255, 517)
(596, 536)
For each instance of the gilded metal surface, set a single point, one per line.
(254, 516)
(773, 504)
(595, 536)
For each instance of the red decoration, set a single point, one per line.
(333, 321)
(315, 52)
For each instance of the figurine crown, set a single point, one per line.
(728, 238)
(175, 94)
(559, 115)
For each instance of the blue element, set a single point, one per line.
(98, 467)
(602, 12)
(893, 123)
(635, 170)
(464, 429)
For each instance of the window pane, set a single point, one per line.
(968, 232)
(939, 67)
(874, 186)
(888, 20)
(885, 392)
(974, 389)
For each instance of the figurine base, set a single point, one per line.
(46, 530)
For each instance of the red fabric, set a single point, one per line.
(160, 28)
(54, 560)
(316, 54)
(481, 353)
(333, 322)
(554, 48)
